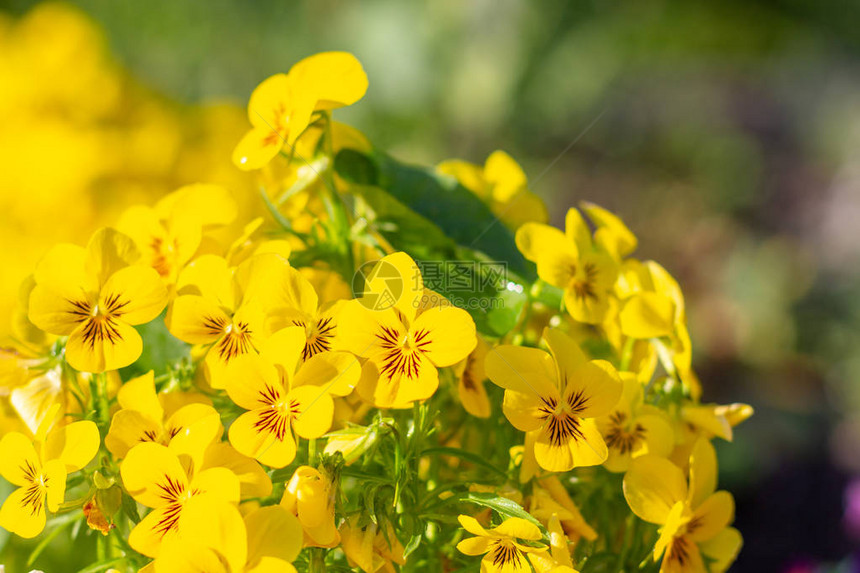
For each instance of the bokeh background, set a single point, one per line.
(726, 133)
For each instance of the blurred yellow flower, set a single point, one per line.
(281, 107)
(572, 262)
(502, 185)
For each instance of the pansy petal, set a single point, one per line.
(253, 480)
(712, 516)
(471, 525)
(519, 528)
(209, 276)
(594, 389)
(334, 79)
(553, 455)
(55, 484)
(445, 334)
(257, 148)
(75, 444)
(136, 293)
(219, 483)
(314, 410)
(647, 315)
(139, 394)
(588, 447)
(129, 428)
(247, 436)
(20, 516)
(149, 470)
(284, 348)
(521, 369)
(109, 251)
(103, 344)
(723, 548)
(191, 429)
(565, 351)
(474, 546)
(250, 379)
(54, 312)
(336, 372)
(19, 458)
(536, 238)
(652, 486)
(703, 471)
(523, 410)
(196, 320)
(273, 532)
(360, 329)
(157, 527)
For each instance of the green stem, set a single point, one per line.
(317, 563)
(312, 452)
(98, 399)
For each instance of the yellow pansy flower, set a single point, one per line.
(141, 418)
(470, 381)
(155, 477)
(558, 396)
(368, 548)
(217, 538)
(501, 184)
(693, 518)
(291, 300)
(503, 552)
(39, 470)
(311, 497)
(214, 308)
(281, 400)
(169, 234)
(282, 106)
(95, 296)
(572, 262)
(634, 428)
(405, 342)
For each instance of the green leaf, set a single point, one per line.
(468, 456)
(501, 505)
(489, 289)
(460, 214)
(129, 506)
(102, 565)
(413, 544)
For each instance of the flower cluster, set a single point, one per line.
(306, 395)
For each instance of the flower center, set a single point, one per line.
(402, 352)
(583, 281)
(624, 436)
(505, 552)
(319, 333)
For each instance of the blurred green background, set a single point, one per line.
(725, 133)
